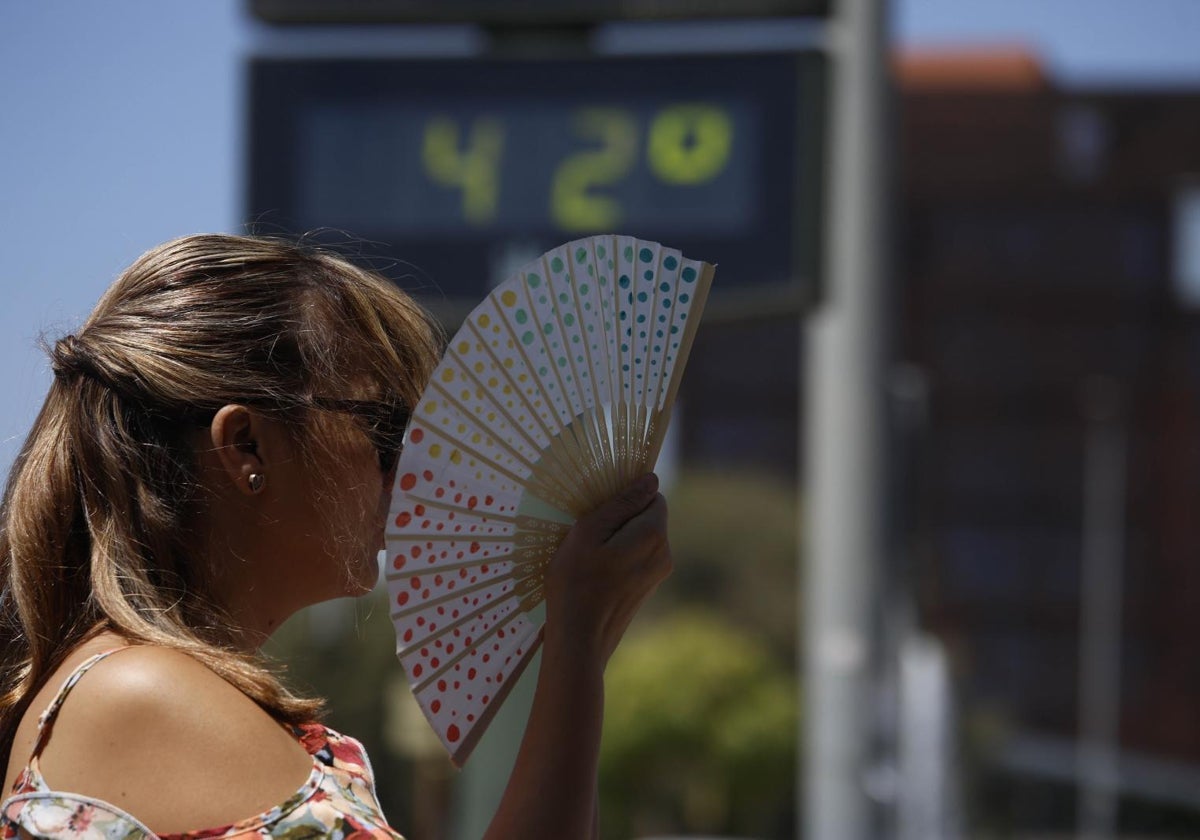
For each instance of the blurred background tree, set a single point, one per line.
(734, 538)
(700, 731)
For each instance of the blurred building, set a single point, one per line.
(1043, 254)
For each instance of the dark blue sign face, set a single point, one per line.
(465, 169)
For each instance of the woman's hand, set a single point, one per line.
(610, 562)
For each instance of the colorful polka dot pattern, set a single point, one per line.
(522, 407)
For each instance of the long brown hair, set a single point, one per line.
(99, 524)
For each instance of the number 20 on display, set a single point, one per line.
(686, 145)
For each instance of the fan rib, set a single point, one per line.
(471, 738)
(474, 453)
(551, 435)
(446, 597)
(538, 477)
(652, 445)
(434, 675)
(488, 392)
(563, 490)
(600, 425)
(534, 413)
(610, 343)
(586, 459)
(519, 539)
(457, 624)
(703, 284)
(473, 513)
(524, 556)
(643, 409)
(462, 409)
(595, 454)
(621, 394)
(442, 536)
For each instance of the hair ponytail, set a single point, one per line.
(100, 522)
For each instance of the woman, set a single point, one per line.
(216, 452)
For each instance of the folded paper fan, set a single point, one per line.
(553, 396)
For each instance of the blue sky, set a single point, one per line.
(1125, 42)
(120, 124)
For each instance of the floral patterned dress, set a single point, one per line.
(338, 800)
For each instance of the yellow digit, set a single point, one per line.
(572, 207)
(690, 144)
(475, 169)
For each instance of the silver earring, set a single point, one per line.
(256, 481)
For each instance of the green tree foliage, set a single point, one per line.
(734, 538)
(700, 731)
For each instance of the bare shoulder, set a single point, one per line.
(158, 734)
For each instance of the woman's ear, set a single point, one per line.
(235, 431)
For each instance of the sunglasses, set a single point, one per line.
(384, 422)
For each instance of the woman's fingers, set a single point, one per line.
(610, 562)
(605, 521)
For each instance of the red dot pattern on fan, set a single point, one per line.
(459, 628)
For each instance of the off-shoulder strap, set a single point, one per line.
(46, 719)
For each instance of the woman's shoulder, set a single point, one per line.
(145, 721)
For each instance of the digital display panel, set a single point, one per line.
(567, 166)
(463, 168)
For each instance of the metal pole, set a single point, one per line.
(844, 435)
(1100, 612)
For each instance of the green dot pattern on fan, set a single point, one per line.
(593, 321)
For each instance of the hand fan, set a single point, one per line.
(552, 397)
